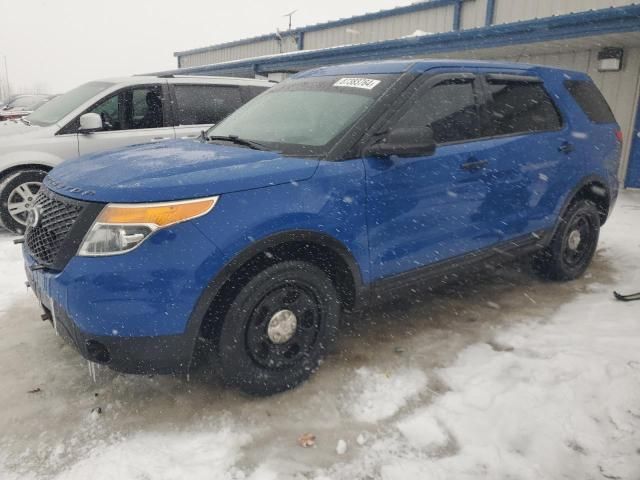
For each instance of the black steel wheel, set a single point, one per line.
(278, 328)
(574, 244)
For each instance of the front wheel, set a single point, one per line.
(573, 245)
(278, 328)
(17, 193)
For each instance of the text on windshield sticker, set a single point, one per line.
(366, 83)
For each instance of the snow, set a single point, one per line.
(163, 456)
(417, 33)
(378, 395)
(341, 447)
(422, 430)
(545, 386)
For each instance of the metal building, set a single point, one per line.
(601, 37)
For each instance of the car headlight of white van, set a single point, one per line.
(120, 228)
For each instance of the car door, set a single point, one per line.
(420, 210)
(196, 107)
(526, 154)
(133, 115)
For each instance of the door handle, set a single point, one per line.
(474, 165)
(156, 139)
(566, 147)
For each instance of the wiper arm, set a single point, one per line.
(238, 141)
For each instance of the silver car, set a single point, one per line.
(103, 115)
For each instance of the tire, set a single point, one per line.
(569, 254)
(262, 350)
(20, 186)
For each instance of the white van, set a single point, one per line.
(108, 114)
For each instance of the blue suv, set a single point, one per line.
(338, 187)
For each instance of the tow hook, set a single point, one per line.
(18, 241)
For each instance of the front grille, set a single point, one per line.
(57, 216)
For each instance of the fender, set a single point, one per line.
(214, 286)
(572, 194)
(28, 159)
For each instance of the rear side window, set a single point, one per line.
(205, 104)
(519, 107)
(591, 101)
(251, 91)
(449, 108)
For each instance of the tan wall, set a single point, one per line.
(474, 14)
(256, 49)
(435, 20)
(507, 11)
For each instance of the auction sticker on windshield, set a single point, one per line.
(366, 83)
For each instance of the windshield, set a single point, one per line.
(26, 102)
(56, 109)
(304, 116)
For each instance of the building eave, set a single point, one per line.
(591, 23)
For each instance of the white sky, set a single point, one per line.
(54, 45)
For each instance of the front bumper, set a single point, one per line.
(132, 312)
(140, 355)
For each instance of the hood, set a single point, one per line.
(174, 170)
(15, 127)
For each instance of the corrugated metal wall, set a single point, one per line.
(507, 11)
(474, 14)
(435, 20)
(236, 52)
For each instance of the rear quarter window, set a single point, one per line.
(590, 100)
(251, 91)
(517, 107)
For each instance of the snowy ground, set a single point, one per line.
(503, 377)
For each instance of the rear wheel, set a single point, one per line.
(278, 328)
(17, 193)
(573, 245)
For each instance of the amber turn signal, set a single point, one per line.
(159, 214)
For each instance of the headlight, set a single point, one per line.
(122, 227)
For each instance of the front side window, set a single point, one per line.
(205, 104)
(144, 108)
(109, 111)
(449, 108)
(131, 109)
(304, 116)
(520, 107)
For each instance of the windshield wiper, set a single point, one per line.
(238, 141)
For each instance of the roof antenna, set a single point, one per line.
(290, 14)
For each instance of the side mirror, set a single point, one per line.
(90, 122)
(404, 142)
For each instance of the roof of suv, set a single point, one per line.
(145, 79)
(400, 66)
